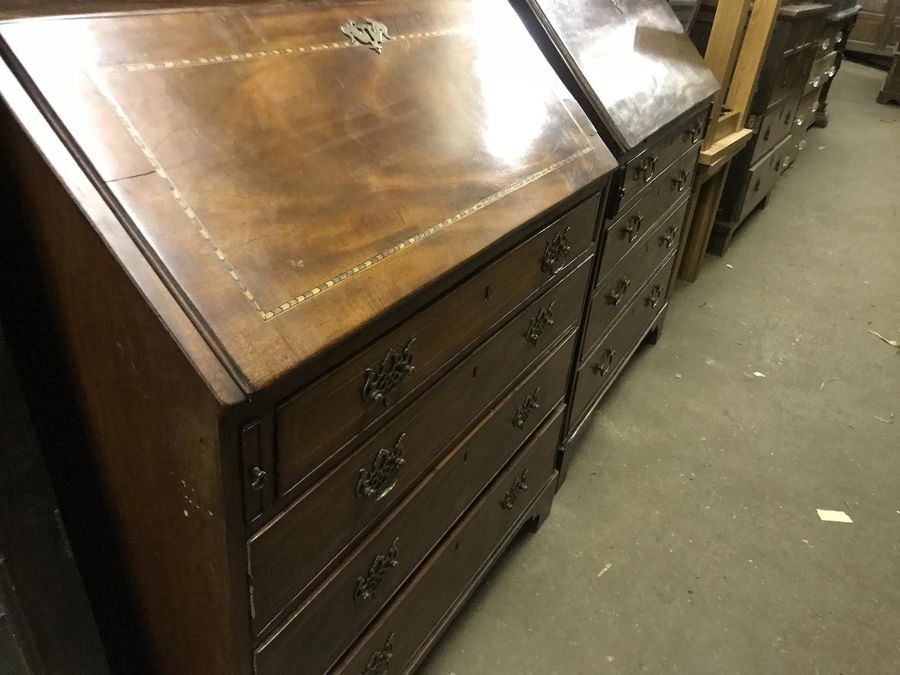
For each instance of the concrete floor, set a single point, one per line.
(686, 538)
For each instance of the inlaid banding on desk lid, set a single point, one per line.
(270, 157)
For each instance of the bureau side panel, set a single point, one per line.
(131, 432)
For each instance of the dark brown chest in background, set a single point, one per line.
(647, 90)
(790, 80)
(315, 275)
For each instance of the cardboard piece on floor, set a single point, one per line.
(833, 516)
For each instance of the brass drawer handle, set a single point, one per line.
(556, 251)
(519, 486)
(632, 229)
(680, 181)
(381, 565)
(756, 185)
(540, 323)
(380, 660)
(384, 379)
(258, 478)
(523, 412)
(615, 296)
(655, 296)
(376, 482)
(669, 237)
(768, 132)
(603, 367)
(693, 133)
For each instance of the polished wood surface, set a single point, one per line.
(264, 162)
(632, 59)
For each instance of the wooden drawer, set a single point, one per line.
(298, 546)
(410, 625)
(373, 384)
(640, 171)
(794, 74)
(337, 613)
(601, 366)
(774, 126)
(806, 28)
(762, 178)
(823, 69)
(628, 230)
(631, 274)
(806, 111)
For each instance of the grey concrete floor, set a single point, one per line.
(686, 539)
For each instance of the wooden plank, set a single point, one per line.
(753, 51)
(722, 53)
(725, 148)
(705, 204)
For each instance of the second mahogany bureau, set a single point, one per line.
(647, 91)
(308, 282)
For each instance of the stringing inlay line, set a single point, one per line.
(179, 197)
(434, 229)
(238, 57)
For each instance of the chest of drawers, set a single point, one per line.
(646, 89)
(791, 78)
(308, 281)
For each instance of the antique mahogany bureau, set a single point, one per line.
(647, 90)
(316, 274)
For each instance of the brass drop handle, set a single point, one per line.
(680, 181)
(382, 380)
(768, 132)
(655, 296)
(556, 252)
(539, 323)
(614, 297)
(693, 133)
(669, 237)
(379, 567)
(258, 478)
(632, 228)
(756, 185)
(650, 168)
(519, 486)
(523, 412)
(379, 661)
(603, 367)
(376, 482)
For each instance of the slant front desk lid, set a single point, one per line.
(633, 66)
(295, 172)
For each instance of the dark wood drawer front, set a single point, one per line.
(762, 178)
(804, 31)
(641, 171)
(296, 548)
(794, 73)
(806, 110)
(774, 126)
(338, 612)
(823, 69)
(405, 628)
(629, 229)
(373, 384)
(630, 275)
(601, 366)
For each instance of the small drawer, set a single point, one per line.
(600, 368)
(407, 628)
(372, 385)
(631, 274)
(762, 178)
(806, 111)
(823, 69)
(774, 126)
(806, 23)
(338, 612)
(301, 543)
(793, 75)
(640, 171)
(627, 230)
